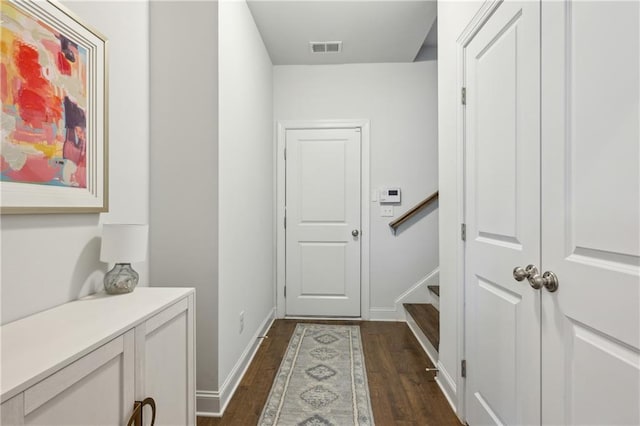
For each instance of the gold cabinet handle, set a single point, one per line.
(150, 401)
(136, 416)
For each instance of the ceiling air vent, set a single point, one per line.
(325, 46)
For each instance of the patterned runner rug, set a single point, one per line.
(322, 380)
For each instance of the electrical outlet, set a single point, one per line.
(241, 322)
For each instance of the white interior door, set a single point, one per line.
(590, 212)
(502, 184)
(323, 222)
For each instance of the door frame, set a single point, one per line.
(482, 15)
(280, 186)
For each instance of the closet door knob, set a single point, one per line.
(535, 281)
(548, 280)
(520, 273)
(355, 232)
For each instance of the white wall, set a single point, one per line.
(184, 167)
(246, 221)
(452, 20)
(212, 179)
(400, 100)
(48, 260)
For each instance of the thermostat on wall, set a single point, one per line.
(390, 195)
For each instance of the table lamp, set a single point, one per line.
(123, 244)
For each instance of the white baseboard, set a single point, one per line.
(447, 386)
(307, 318)
(213, 404)
(383, 314)
(207, 404)
(417, 293)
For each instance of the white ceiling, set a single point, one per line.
(370, 31)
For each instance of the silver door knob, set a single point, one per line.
(548, 279)
(520, 273)
(355, 232)
(535, 280)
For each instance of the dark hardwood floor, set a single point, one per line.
(402, 392)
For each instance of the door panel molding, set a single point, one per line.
(279, 176)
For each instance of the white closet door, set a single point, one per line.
(590, 212)
(502, 168)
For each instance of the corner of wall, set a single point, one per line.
(417, 293)
(184, 195)
(213, 404)
(453, 18)
(245, 185)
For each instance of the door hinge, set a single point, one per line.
(463, 231)
(285, 222)
(463, 368)
(464, 96)
(285, 291)
(285, 153)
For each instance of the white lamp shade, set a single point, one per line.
(124, 243)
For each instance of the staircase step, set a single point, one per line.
(435, 289)
(428, 319)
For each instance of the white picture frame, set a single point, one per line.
(77, 188)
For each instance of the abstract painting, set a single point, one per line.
(53, 132)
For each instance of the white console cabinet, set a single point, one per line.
(88, 361)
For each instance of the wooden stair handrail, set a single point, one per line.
(415, 209)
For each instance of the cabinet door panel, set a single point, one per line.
(97, 389)
(168, 364)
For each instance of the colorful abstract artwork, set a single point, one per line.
(43, 86)
(54, 121)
